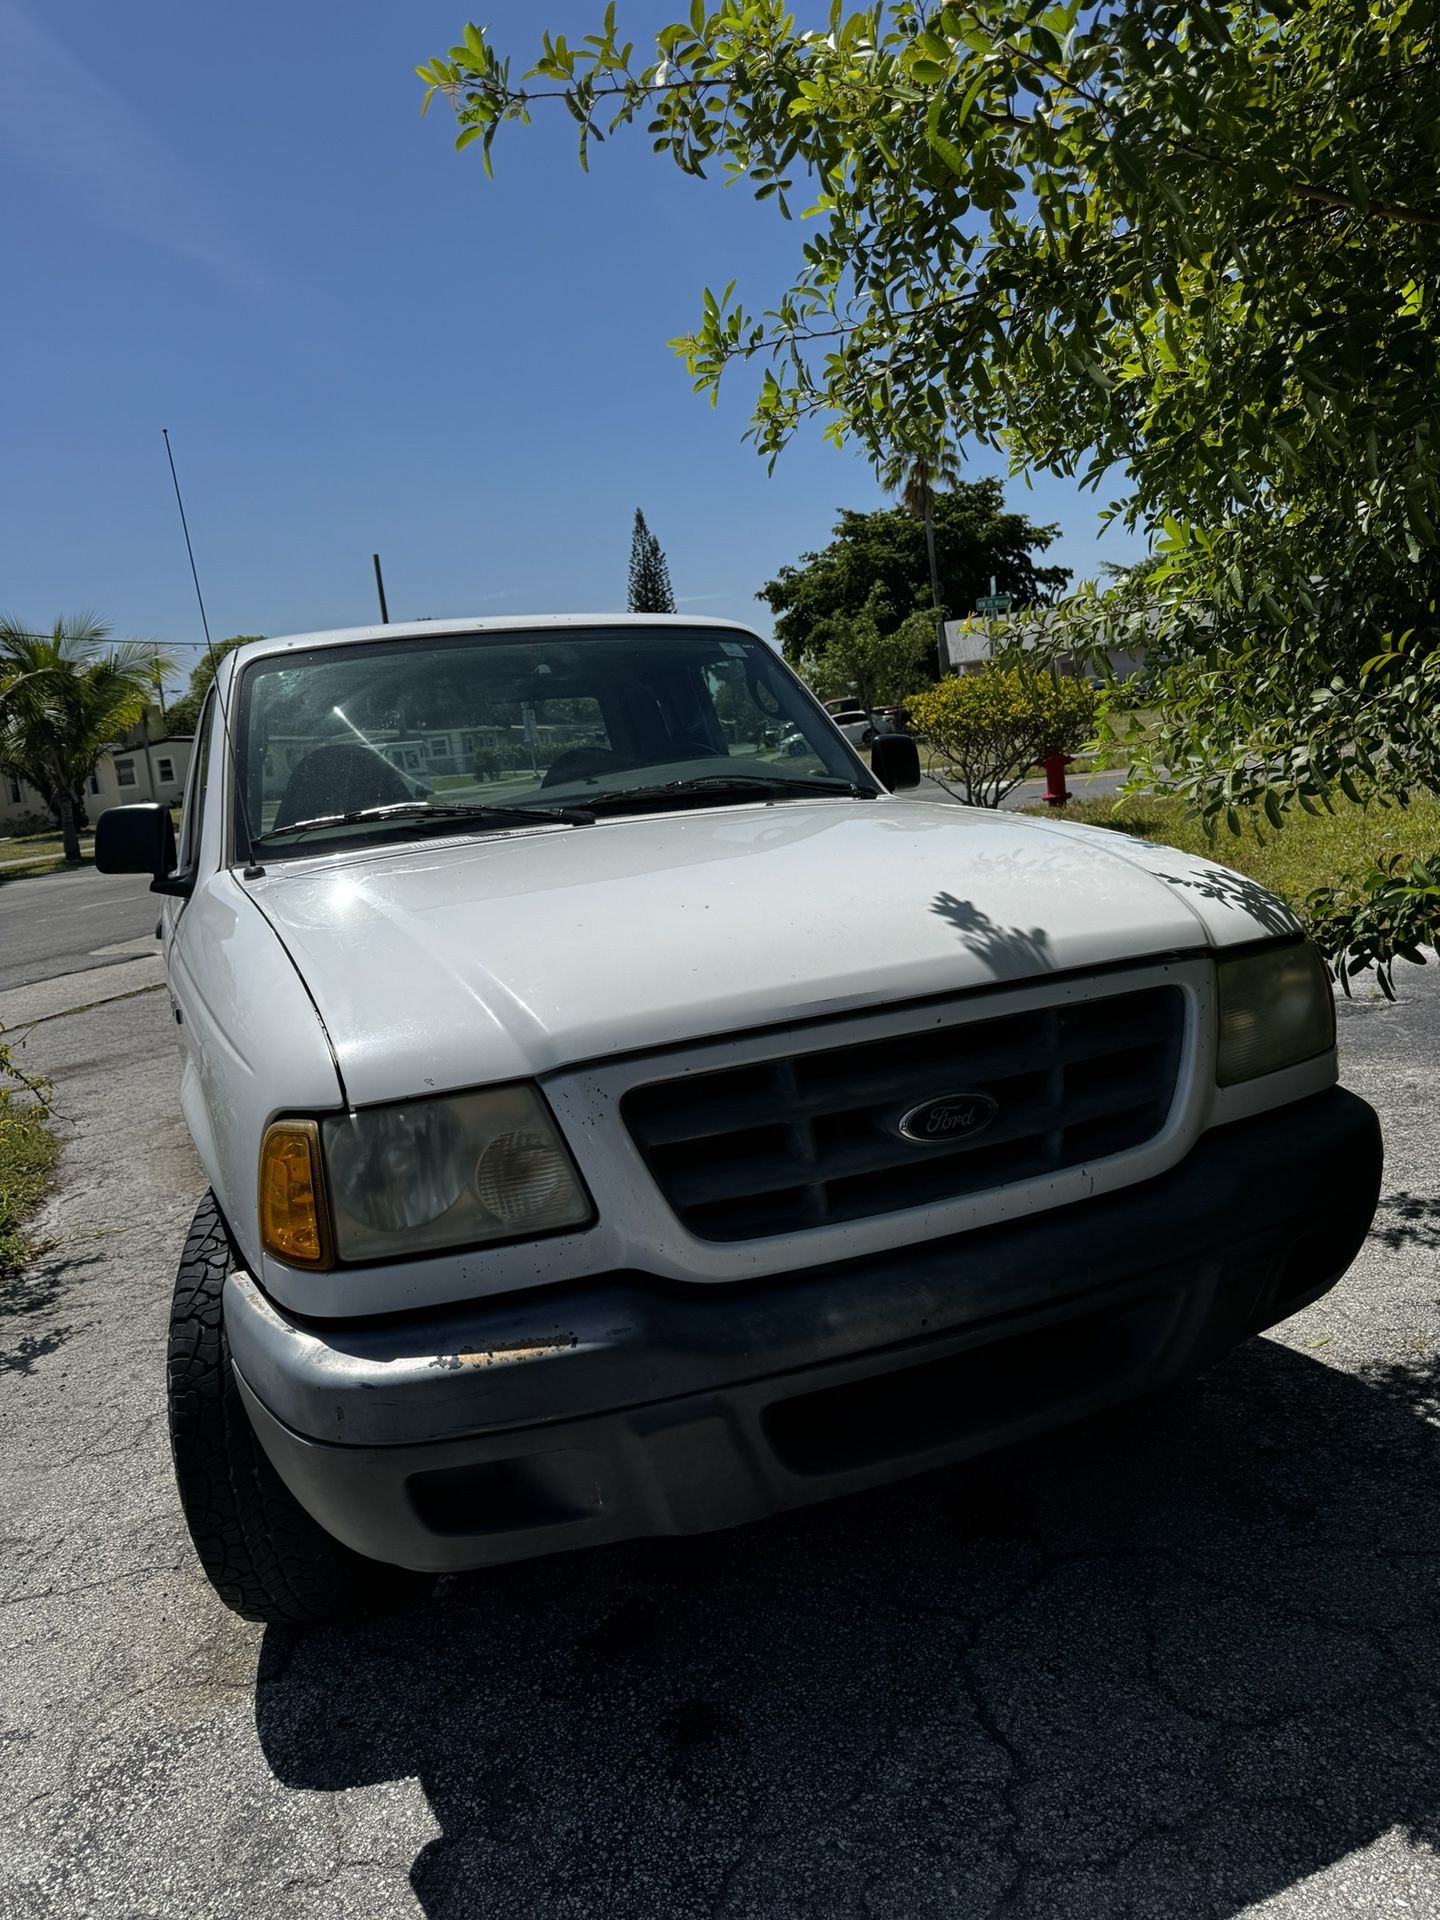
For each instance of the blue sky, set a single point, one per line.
(234, 224)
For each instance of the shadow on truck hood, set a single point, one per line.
(460, 962)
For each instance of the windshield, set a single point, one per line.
(482, 731)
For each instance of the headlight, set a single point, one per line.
(450, 1172)
(1276, 1009)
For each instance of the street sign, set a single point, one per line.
(993, 603)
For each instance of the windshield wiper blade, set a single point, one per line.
(745, 786)
(422, 810)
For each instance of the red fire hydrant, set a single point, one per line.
(1056, 791)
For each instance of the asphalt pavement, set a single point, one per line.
(1183, 1661)
(59, 923)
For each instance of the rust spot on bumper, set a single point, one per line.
(513, 1353)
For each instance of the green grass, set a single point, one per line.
(42, 863)
(39, 846)
(1304, 854)
(14, 846)
(27, 1157)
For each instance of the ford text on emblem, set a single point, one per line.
(954, 1116)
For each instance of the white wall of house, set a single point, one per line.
(969, 646)
(130, 773)
(19, 803)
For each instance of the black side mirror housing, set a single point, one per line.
(895, 761)
(139, 839)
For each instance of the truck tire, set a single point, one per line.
(261, 1551)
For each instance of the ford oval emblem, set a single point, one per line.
(954, 1116)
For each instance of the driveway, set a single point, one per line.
(1181, 1662)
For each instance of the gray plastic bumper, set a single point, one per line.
(625, 1406)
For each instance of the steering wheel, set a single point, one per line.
(584, 763)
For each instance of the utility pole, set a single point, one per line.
(149, 762)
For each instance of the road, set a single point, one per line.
(1030, 793)
(1183, 1661)
(59, 923)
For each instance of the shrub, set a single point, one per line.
(28, 824)
(990, 727)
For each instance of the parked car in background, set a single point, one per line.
(852, 720)
(682, 1131)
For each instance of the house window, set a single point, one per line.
(439, 748)
(124, 773)
(13, 787)
(94, 780)
(165, 769)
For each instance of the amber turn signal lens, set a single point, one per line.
(293, 1222)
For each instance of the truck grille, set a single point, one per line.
(809, 1139)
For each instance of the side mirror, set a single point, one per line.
(139, 839)
(895, 761)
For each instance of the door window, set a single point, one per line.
(192, 813)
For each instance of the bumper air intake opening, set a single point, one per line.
(502, 1496)
(980, 1392)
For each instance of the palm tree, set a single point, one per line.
(64, 697)
(913, 476)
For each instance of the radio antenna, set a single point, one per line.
(185, 529)
(252, 870)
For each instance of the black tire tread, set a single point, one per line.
(260, 1550)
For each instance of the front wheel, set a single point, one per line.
(261, 1551)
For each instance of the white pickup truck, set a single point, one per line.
(618, 1126)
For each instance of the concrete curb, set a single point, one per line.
(44, 999)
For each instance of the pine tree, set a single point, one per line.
(650, 590)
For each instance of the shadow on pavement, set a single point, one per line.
(1166, 1664)
(31, 1295)
(1407, 1219)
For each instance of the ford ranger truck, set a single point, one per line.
(627, 1113)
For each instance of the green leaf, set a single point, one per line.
(1133, 173)
(945, 149)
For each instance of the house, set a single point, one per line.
(971, 645)
(20, 805)
(150, 763)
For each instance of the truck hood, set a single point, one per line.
(443, 965)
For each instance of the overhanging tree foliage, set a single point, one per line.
(1192, 242)
(650, 589)
(879, 560)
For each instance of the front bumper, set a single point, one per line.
(628, 1406)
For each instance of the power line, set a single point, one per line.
(164, 645)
